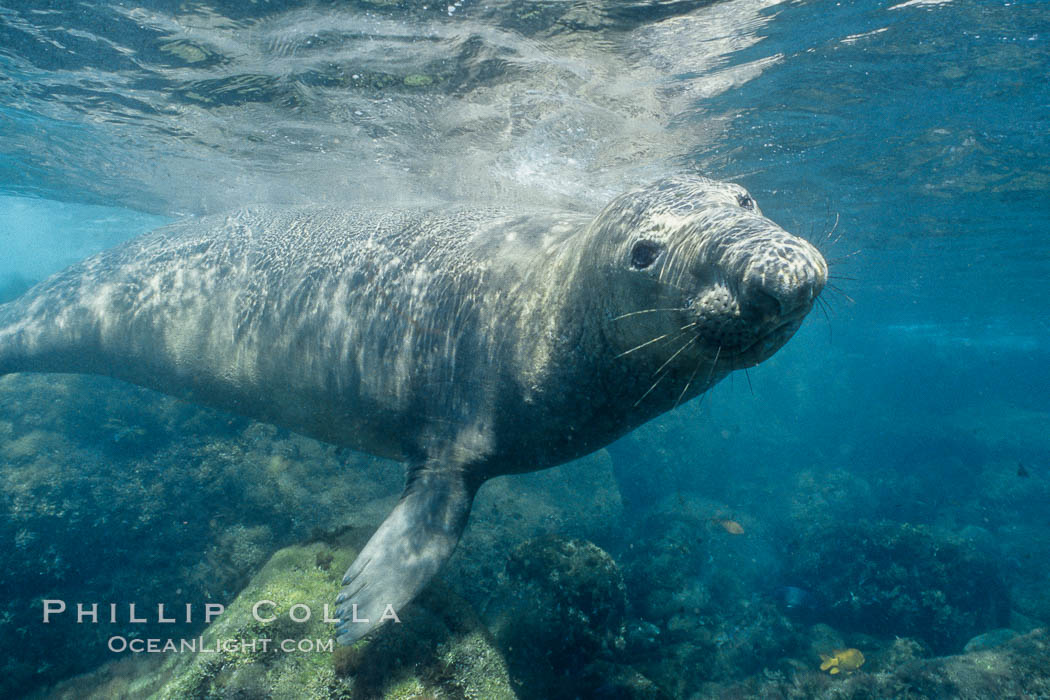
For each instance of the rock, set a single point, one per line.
(568, 614)
(989, 640)
(898, 579)
(439, 649)
(1019, 668)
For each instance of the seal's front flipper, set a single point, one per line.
(405, 552)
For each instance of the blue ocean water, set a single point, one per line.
(908, 140)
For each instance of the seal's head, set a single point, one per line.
(705, 284)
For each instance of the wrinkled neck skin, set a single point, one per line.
(547, 360)
(571, 389)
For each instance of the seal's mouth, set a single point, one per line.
(765, 346)
(739, 351)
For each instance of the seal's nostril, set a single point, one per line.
(783, 285)
(763, 304)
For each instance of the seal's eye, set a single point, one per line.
(644, 254)
(745, 201)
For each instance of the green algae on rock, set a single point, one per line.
(439, 650)
(418, 80)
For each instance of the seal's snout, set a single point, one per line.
(781, 283)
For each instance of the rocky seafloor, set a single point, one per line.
(589, 580)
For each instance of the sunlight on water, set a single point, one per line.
(356, 104)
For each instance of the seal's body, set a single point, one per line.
(466, 343)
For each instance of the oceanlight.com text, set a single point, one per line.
(118, 644)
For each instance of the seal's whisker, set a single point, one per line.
(843, 258)
(695, 369)
(710, 373)
(828, 235)
(649, 311)
(842, 277)
(836, 290)
(693, 375)
(679, 352)
(749, 387)
(657, 372)
(677, 334)
(824, 309)
(639, 347)
(837, 238)
(649, 390)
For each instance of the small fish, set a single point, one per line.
(730, 526)
(839, 660)
(1021, 471)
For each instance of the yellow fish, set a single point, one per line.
(848, 660)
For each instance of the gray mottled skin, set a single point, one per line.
(467, 343)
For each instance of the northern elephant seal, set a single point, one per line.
(466, 343)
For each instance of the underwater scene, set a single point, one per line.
(524, 349)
